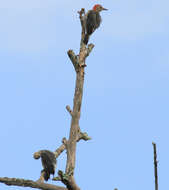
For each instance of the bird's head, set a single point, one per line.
(99, 8)
(36, 155)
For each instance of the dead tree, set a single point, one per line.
(67, 177)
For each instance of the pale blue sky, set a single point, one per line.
(126, 93)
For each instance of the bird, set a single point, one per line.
(92, 21)
(48, 160)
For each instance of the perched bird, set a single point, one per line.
(48, 160)
(92, 21)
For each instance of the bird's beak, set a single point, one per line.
(104, 9)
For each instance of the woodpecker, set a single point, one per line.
(92, 21)
(48, 162)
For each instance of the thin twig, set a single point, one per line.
(155, 166)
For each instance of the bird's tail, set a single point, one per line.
(86, 38)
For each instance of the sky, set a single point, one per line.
(126, 92)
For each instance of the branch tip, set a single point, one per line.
(64, 141)
(81, 12)
(83, 136)
(73, 58)
(69, 110)
(89, 49)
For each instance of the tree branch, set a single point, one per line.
(83, 136)
(82, 17)
(73, 58)
(30, 183)
(89, 49)
(69, 110)
(155, 166)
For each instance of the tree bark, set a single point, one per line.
(79, 65)
(30, 183)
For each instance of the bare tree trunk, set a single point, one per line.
(79, 65)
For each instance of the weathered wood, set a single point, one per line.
(77, 102)
(30, 183)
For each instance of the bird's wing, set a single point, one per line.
(91, 22)
(48, 161)
(98, 20)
